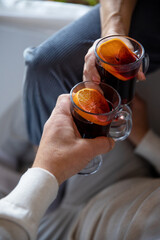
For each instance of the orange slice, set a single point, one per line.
(115, 51)
(92, 101)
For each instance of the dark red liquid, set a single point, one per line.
(88, 129)
(126, 89)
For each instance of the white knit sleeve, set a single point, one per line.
(27, 203)
(149, 148)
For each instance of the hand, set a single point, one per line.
(62, 151)
(115, 16)
(140, 120)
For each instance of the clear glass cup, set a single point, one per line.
(121, 75)
(116, 123)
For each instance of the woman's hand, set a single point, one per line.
(62, 151)
(115, 16)
(90, 72)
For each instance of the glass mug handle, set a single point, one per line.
(121, 126)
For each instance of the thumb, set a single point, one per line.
(99, 145)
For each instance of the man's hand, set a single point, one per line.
(62, 151)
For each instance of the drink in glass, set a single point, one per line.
(118, 59)
(97, 111)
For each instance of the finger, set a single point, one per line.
(140, 75)
(62, 105)
(90, 72)
(128, 44)
(99, 145)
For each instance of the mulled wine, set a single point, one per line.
(89, 129)
(126, 89)
(97, 111)
(118, 59)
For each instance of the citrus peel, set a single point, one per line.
(93, 103)
(115, 52)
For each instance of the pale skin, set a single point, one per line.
(115, 19)
(62, 151)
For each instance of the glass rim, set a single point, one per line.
(122, 65)
(97, 114)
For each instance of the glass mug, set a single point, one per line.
(116, 123)
(121, 75)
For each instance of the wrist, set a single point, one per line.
(113, 26)
(116, 16)
(53, 169)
